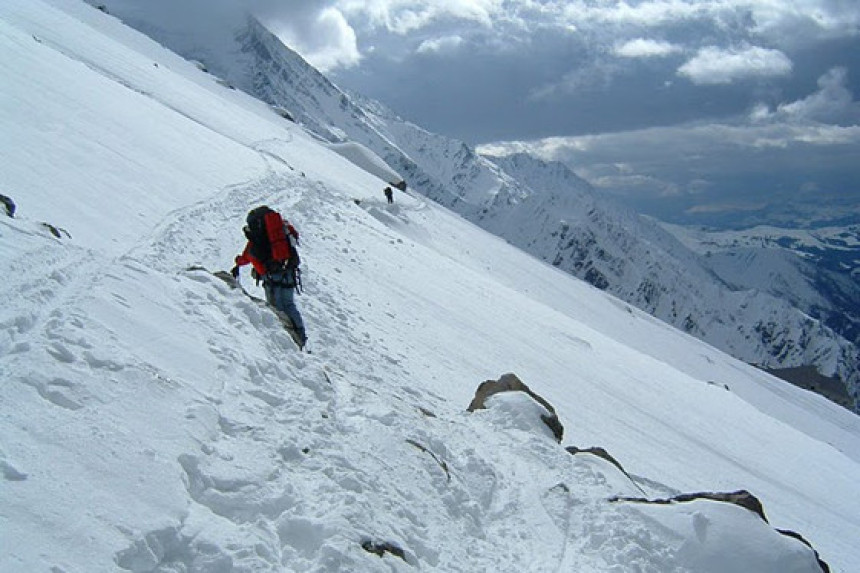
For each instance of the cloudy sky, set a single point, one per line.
(730, 110)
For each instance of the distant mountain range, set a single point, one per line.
(763, 305)
(817, 270)
(759, 308)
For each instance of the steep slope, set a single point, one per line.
(635, 259)
(154, 419)
(444, 170)
(815, 269)
(611, 248)
(833, 298)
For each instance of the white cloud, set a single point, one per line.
(831, 135)
(405, 16)
(761, 112)
(832, 99)
(785, 21)
(324, 38)
(645, 48)
(445, 45)
(591, 77)
(600, 24)
(793, 23)
(713, 65)
(647, 13)
(630, 183)
(685, 159)
(832, 103)
(765, 16)
(734, 207)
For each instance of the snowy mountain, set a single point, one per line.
(542, 208)
(154, 418)
(816, 269)
(765, 309)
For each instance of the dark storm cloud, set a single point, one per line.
(683, 108)
(565, 70)
(314, 28)
(678, 105)
(798, 153)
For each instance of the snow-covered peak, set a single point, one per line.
(550, 212)
(814, 269)
(154, 418)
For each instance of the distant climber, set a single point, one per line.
(273, 254)
(389, 194)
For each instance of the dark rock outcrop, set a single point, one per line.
(742, 498)
(597, 451)
(511, 383)
(9, 204)
(381, 548)
(441, 462)
(793, 534)
(602, 453)
(57, 231)
(808, 377)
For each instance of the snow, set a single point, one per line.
(705, 528)
(540, 207)
(704, 240)
(154, 419)
(367, 160)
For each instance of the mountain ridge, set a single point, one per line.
(154, 419)
(454, 175)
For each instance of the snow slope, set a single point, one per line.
(367, 160)
(517, 199)
(567, 223)
(154, 419)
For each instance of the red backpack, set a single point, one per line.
(270, 243)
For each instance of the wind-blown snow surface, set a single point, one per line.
(367, 160)
(540, 207)
(534, 205)
(153, 419)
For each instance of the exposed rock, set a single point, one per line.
(9, 204)
(383, 548)
(602, 453)
(809, 378)
(283, 112)
(741, 497)
(57, 231)
(223, 275)
(426, 412)
(597, 451)
(10, 472)
(823, 564)
(441, 463)
(511, 383)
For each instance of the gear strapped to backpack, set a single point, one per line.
(273, 243)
